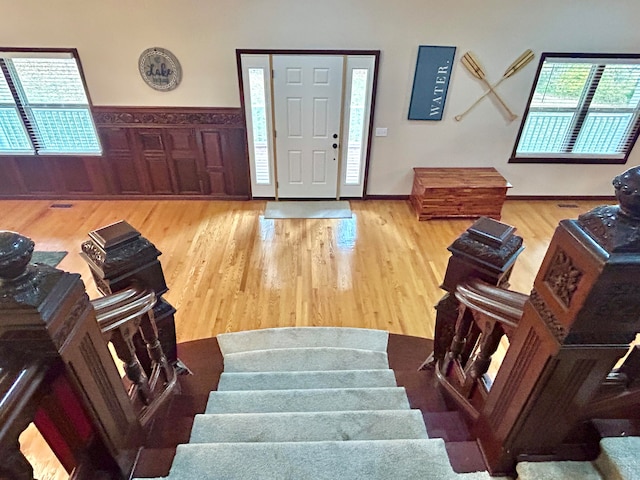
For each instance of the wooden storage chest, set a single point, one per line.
(458, 192)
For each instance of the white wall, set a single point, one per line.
(111, 34)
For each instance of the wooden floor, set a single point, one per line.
(229, 269)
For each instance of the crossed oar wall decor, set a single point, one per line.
(471, 63)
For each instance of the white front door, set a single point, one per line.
(307, 109)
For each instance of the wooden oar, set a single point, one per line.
(472, 64)
(516, 66)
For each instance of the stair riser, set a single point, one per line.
(378, 460)
(309, 427)
(321, 400)
(304, 380)
(305, 359)
(288, 337)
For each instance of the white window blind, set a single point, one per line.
(44, 107)
(357, 108)
(13, 135)
(259, 126)
(582, 109)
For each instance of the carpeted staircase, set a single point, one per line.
(317, 403)
(322, 403)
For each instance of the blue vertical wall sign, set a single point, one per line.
(431, 82)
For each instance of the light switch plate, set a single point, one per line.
(381, 132)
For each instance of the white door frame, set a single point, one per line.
(353, 180)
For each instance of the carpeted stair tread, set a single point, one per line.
(301, 380)
(618, 458)
(557, 471)
(305, 359)
(308, 400)
(288, 337)
(309, 426)
(371, 460)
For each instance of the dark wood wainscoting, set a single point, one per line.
(148, 153)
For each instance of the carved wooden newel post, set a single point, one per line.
(487, 251)
(582, 314)
(118, 257)
(45, 314)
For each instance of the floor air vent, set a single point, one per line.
(61, 205)
(567, 205)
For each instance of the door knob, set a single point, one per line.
(335, 135)
(335, 145)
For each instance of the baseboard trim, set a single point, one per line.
(387, 197)
(607, 198)
(124, 197)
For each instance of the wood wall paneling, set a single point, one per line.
(73, 175)
(187, 161)
(213, 161)
(38, 175)
(147, 152)
(188, 176)
(10, 180)
(235, 149)
(124, 174)
(98, 175)
(150, 146)
(121, 169)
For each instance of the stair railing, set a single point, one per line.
(486, 313)
(119, 257)
(57, 370)
(487, 251)
(578, 322)
(121, 316)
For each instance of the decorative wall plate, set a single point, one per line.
(160, 69)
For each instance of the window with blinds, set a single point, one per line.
(44, 106)
(582, 110)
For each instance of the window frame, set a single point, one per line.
(582, 109)
(24, 107)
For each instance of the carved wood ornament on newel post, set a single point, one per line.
(45, 315)
(581, 316)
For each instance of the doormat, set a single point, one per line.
(315, 209)
(48, 258)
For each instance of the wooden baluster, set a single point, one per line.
(489, 341)
(463, 325)
(126, 351)
(470, 342)
(149, 333)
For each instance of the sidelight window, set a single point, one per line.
(357, 125)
